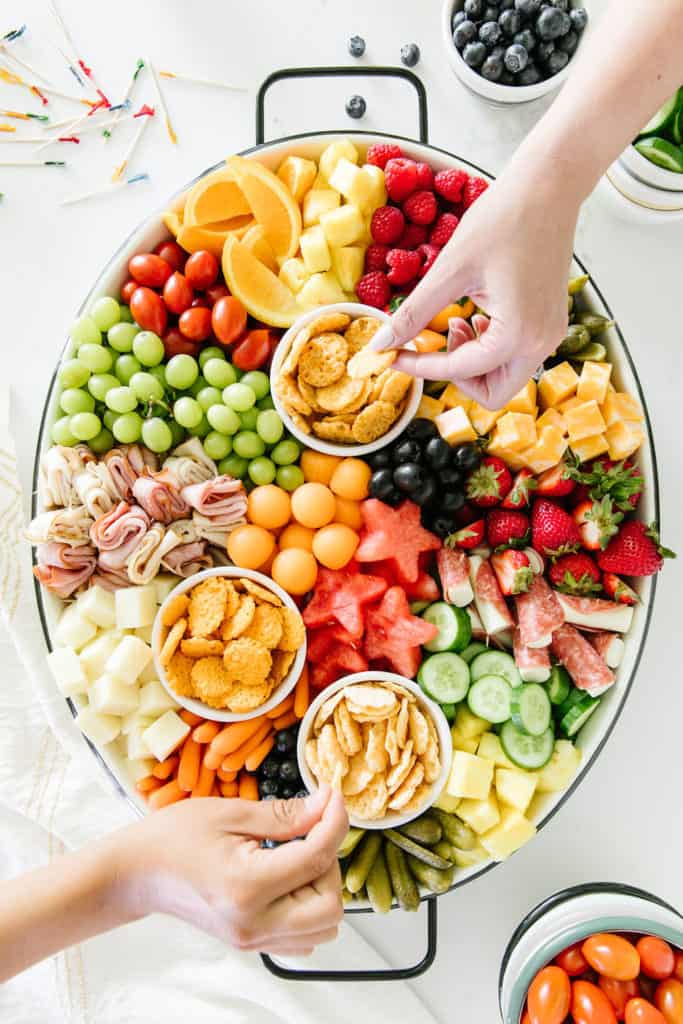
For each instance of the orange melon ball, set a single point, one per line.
(269, 506)
(335, 545)
(297, 536)
(318, 467)
(250, 547)
(351, 479)
(348, 512)
(295, 570)
(268, 564)
(313, 505)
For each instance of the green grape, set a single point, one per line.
(188, 412)
(85, 332)
(102, 442)
(96, 357)
(75, 400)
(219, 373)
(73, 373)
(248, 444)
(122, 335)
(198, 385)
(208, 397)
(210, 352)
(177, 431)
(109, 417)
(125, 367)
(156, 434)
(100, 383)
(225, 420)
(248, 418)
(202, 428)
(105, 313)
(216, 445)
(261, 470)
(160, 373)
(266, 403)
(85, 425)
(181, 371)
(289, 477)
(285, 453)
(239, 397)
(121, 399)
(125, 314)
(127, 428)
(258, 381)
(234, 466)
(146, 387)
(269, 426)
(61, 432)
(148, 348)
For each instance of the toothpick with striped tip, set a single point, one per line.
(111, 187)
(202, 81)
(162, 103)
(127, 95)
(118, 171)
(24, 115)
(11, 56)
(32, 163)
(7, 128)
(13, 34)
(76, 64)
(42, 92)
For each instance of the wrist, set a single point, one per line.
(124, 877)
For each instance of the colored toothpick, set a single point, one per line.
(162, 103)
(13, 34)
(202, 81)
(119, 171)
(7, 128)
(24, 115)
(139, 66)
(42, 92)
(32, 163)
(75, 62)
(11, 56)
(105, 190)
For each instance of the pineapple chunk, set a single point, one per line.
(314, 250)
(623, 439)
(452, 396)
(101, 729)
(593, 381)
(470, 776)
(298, 175)
(112, 697)
(317, 202)
(346, 178)
(491, 748)
(97, 605)
(373, 189)
(514, 787)
(524, 400)
(362, 186)
(468, 724)
(509, 834)
(447, 803)
(320, 290)
(468, 858)
(516, 430)
(429, 408)
(164, 735)
(347, 264)
(461, 742)
(557, 384)
(293, 274)
(551, 418)
(73, 629)
(589, 447)
(455, 427)
(128, 659)
(343, 226)
(480, 815)
(619, 405)
(343, 149)
(560, 769)
(584, 420)
(94, 655)
(67, 671)
(483, 420)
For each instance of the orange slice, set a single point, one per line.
(173, 221)
(271, 203)
(255, 239)
(215, 197)
(258, 288)
(212, 236)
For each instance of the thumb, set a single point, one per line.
(434, 291)
(479, 357)
(279, 819)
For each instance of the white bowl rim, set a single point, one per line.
(649, 173)
(393, 819)
(197, 706)
(355, 310)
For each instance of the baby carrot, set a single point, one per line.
(234, 761)
(147, 784)
(226, 776)
(248, 787)
(215, 791)
(229, 788)
(204, 782)
(283, 706)
(284, 721)
(429, 341)
(205, 732)
(301, 694)
(168, 794)
(188, 769)
(165, 769)
(190, 718)
(254, 759)
(229, 739)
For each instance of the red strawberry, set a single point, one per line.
(506, 528)
(421, 207)
(618, 590)
(597, 522)
(425, 176)
(387, 224)
(400, 178)
(555, 482)
(635, 551)
(449, 184)
(374, 289)
(575, 574)
(519, 496)
(380, 153)
(473, 188)
(622, 481)
(553, 531)
(443, 229)
(414, 235)
(428, 254)
(468, 537)
(376, 257)
(513, 571)
(404, 265)
(489, 483)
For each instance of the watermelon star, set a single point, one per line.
(395, 534)
(340, 595)
(392, 633)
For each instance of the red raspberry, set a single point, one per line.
(376, 257)
(404, 266)
(428, 254)
(421, 207)
(387, 224)
(425, 176)
(443, 229)
(413, 236)
(374, 289)
(449, 184)
(400, 178)
(472, 190)
(380, 154)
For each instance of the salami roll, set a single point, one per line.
(539, 614)
(588, 669)
(488, 598)
(533, 663)
(609, 646)
(596, 613)
(454, 573)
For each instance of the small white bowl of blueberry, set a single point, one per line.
(512, 51)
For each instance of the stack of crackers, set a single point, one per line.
(330, 384)
(372, 741)
(230, 643)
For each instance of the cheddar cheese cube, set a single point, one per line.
(516, 430)
(452, 396)
(584, 420)
(593, 381)
(429, 408)
(515, 788)
(570, 403)
(620, 406)
(470, 776)
(547, 451)
(590, 447)
(455, 427)
(557, 384)
(551, 418)
(483, 420)
(623, 439)
(480, 815)
(513, 831)
(514, 460)
(524, 400)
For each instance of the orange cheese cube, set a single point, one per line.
(483, 419)
(524, 400)
(557, 384)
(589, 447)
(619, 405)
(429, 408)
(584, 420)
(547, 451)
(551, 418)
(455, 427)
(452, 396)
(516, 430)
(593, 381)
(623, 439)
(514, 460)
(570, 403)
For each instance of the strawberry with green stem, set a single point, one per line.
(489, 483)
(468, 537)
(513, 571)
(519, 495)
(553, 531)
(618, 590)
(621, 481)
(575, 574)
(597, 521)
(635, 551)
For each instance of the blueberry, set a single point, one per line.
(563, 5)
(466, 457)
(356, 46)
(442, 526)
(490, 33)
(285, 741)
(568, 43)
(492, 69)
(271, 796)
(557, 60)
(529, 76)
(579, 18)
(379, 459)
(269, 768)
(551, 23)
(288, 792)
(507, 5)
(528, 7)
(356, 106)
(450, 477)
(498, 52)
(491, 12)
(457, 19)
(474, 8)
(474, 54)
(425, 494)
(465, 33)
(421, 429)
(438, 452)
(409, 477)
(268, 787)
(544, 49)
(410, 54)
(516, 57)
(451, 501)
(289, 770)
(510, 22)
(381, 483)
(507, 78)
(409, 450)
(526, 38)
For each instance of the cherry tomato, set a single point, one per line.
(229, 319)
(252, 351)
(669, 1000)
(572, 960)
(201, 300)
(195, 323)
(648, 987)
(640, 1011)
(590, 1005)
(149, 270)
(149, 310)
(619, 993)
(172, 253)
(612, 956)
(678, 965)
(176, 344)
(178, 293)
(549, 996)
(216, 292)
(201, 269)
(128, 289)
(656, 957)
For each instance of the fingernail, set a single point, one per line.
(383, 339)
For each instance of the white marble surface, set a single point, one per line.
(625, 821)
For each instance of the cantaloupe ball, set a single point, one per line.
(349, 513)
(351, 479)
(335, 545)
(296, 536)
(313, 505)
(250, 546)
(295, 570)
(269, 506)
(318, 467)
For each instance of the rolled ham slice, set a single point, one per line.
(588, 669)
(194, 449)
(59, 467)
(142, 458)
(122, 473)
(222, 500)
(215, 535)
(454, 573)
(160, 499)
(62, 568)
(187, 559)
(118, 533)
(609, 646)
(533, 663)
(95, 489)
(65, 525)
(144, 563)
(488, 598)
(596, 613)
(539, 614)
(188, 464)
(110, 579)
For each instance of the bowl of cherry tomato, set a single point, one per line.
(595, 954)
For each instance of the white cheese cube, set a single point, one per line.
(148, 673)
(480, 815)
(471, 776)
(128, 659)
(97, 605)
(164, 735)
(163, 585)
(515, 788)
(145, 633)
(112, 697)
(136, 746)
(136, 606)
(94, 655)
(154, 700)
(67, 671)
(508, 835)
(73, 630)
(140, 768)
(101, 729)
(133, 718)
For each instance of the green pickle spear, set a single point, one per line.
(455, 831)
(425, 830)
(434, 880)
(402, 882)
(421, 852)
(350, 842)
(363, 859)
(378, 885)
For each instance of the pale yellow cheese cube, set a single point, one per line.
(480, 815)
(483, 420)
(164, 735)
(620, 406)
(514, 787)
(551, 418)
(491, 748)
(469, 724)
(623, 439)
(446, 802)
(514, 460)
(513, 831)
(429, 408)
(455, 427)
(470, 776)
(593, 381)
(584, 420)
(557, 384)
(524, 400)
(516, 430)
(589, 447)
(319, 201)
(452, 396)
(461, 742)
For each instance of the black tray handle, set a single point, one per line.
(390, 974)
(335, 72)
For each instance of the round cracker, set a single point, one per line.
(341, 396)
(323, 360)
(319, 324)
(247, 661)
(334, 429)
(359, 333)
(373, 421)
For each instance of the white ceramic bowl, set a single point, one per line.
(354, 310)
(647, 202)
(394, 818)
(197, 706)
(651, 174)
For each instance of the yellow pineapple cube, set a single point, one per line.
(461, 742)
(589, 447)
(315, 250)
(483, 420)
(374, 189)
(429, 408)
(347, 264)
(343, 149)
(618, 405)
(514, 787)
(584, 420)
(455, 427)
(293, 273)
(446, 802)
(320, 290)
(359, 185)
(469, 724)
(344, 178)
(491, 748)
(516, 430)
(593, 381)
(452, 396)
(342, 226)
(468, 858)
(623, 439)
(480, 815)
(557, 384)
(551, 418)
(470, 776)
(317, 202)
(298, 175)
(524, 400)
(508, 835)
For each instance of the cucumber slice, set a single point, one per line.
(677, 128)
(662, 153)
(496, 663)
(454, 625)
(472, 650)
(577, 715)
(449, 711)
(661, 119)
(559, 684)
(530, 707)
(444, 677)
(573, 697)
(490, 698)
(528, 752)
